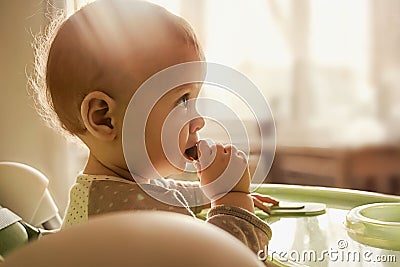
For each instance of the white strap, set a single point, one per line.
(7, 218)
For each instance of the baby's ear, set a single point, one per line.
(98, 111)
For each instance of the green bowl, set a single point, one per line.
(376, 225)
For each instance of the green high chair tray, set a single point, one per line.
(336, 237)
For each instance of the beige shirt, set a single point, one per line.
(98, 194)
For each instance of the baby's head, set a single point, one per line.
(97, 60)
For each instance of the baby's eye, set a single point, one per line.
(183, 100)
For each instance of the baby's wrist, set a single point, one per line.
(241, 189)
(236, 199)
(213, 196)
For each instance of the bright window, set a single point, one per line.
(315, 61)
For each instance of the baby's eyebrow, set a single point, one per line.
(181, 88)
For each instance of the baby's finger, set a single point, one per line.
(197, 165)
(234, 151)
(242, 155)
(265, 199)
(231, 149)
(205, 147)
(259, 204)
(207, 152)
(220, 149)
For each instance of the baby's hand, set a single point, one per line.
(222, 169)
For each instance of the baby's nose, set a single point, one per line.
(196, 124)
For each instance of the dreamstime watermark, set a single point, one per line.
(339, 254)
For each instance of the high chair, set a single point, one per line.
(25, 203)
(23, 190)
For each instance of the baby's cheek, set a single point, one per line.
(183, 137)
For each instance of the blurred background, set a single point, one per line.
(330, 71)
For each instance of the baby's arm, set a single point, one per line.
(232, 207)
(190, 191)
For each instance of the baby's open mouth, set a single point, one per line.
(191, 153)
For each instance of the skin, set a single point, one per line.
(188, 136)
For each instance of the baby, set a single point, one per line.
(97, 60)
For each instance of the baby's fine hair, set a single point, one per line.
(104, 25)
